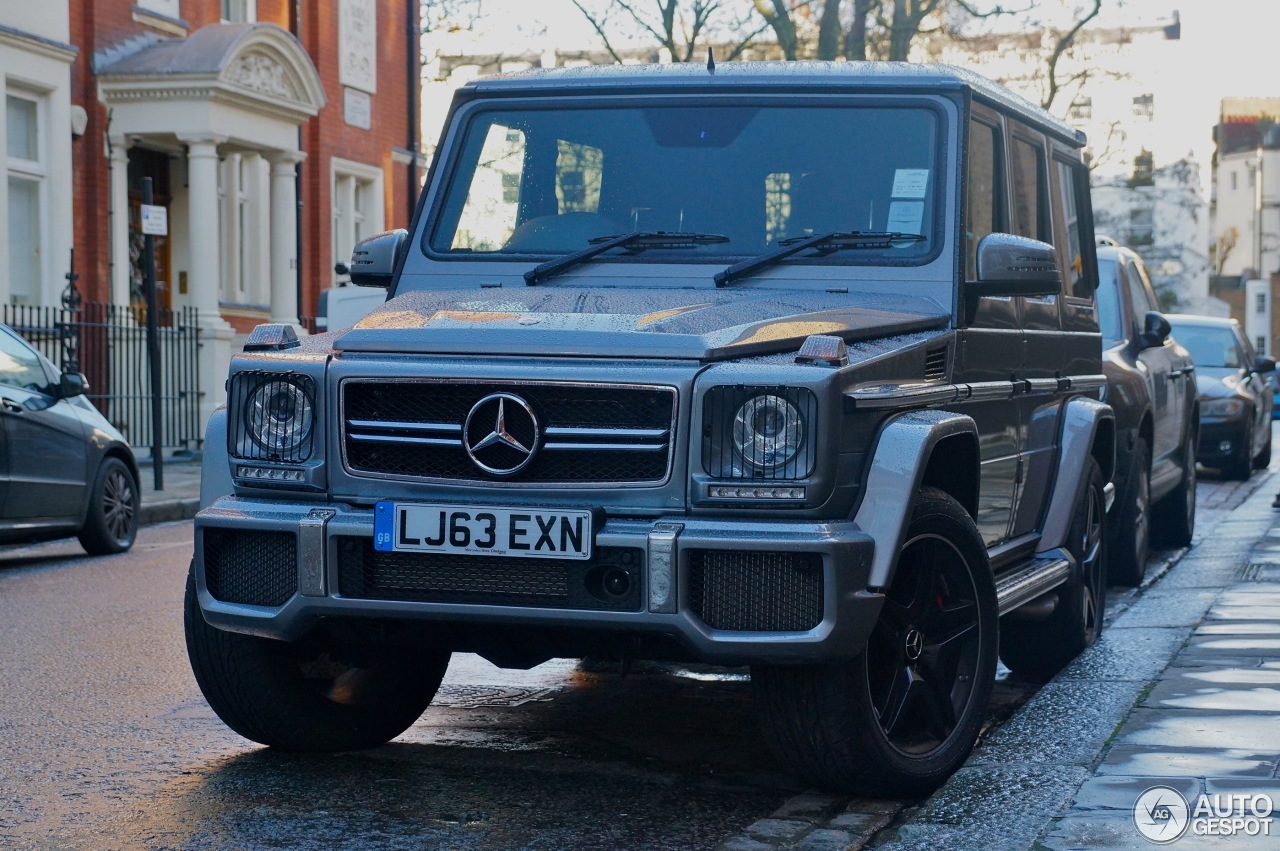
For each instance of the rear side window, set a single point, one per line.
(1029, 191)
(981, 191)
(1077, 253)
(1108, 303)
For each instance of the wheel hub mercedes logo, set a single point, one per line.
(501, 434)
(915, 644)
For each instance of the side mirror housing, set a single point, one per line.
(1264, 364)
(1155, 330)
(72, 384)
(1010, 265)
(374, 260)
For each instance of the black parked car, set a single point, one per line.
(1151, 384)
(1236, 393)
(64, 470)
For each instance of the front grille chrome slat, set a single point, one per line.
(588, 434)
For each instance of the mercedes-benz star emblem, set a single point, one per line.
(915, 644)
(501, 434)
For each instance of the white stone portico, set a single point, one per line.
(225, 105)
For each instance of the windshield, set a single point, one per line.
(1107, 304)
(1209, 347)
(547, 181)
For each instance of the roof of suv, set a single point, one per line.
(819, 76)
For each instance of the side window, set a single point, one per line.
(981, 191)
(1137, 294)
(1027, 175)
(493, 205)
(1078, 253)
(1148, 292)
(19, 366)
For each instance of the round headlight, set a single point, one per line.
(279, 417)
(768, 431)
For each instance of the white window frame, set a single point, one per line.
(37, 172)
(366, 185)
(248, 7)
(169, 8)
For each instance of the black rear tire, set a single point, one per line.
(904, 714)
(1262, 460)
(1038, 649)
(1240, 467)
(1131, 533)
(111, 523)
(316, 694)
(1175, 515)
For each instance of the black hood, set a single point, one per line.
(690, 324)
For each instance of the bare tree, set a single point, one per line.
(1064, 41)
(678, 26)
(1222, 248)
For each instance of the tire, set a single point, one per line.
(903, 715)
(111, 522)
(316, 694)
(1262, 460)
(1130, 542)
(1240, 467)
(1037, 649)
(1175, 515)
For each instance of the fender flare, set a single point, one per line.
(894, 476)
(215, 471)
(1085, 422)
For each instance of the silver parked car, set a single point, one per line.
(64, 469)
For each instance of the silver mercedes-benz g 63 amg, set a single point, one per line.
(792, 366)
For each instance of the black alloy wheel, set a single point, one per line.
(901, 716)
(922, 657)
(1131, 531)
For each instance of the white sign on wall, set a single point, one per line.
(357, 108)
(168, 8)
(358, 45)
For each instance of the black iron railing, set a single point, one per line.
(108, 343)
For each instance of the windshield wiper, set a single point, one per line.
(824, 243)
(636, 241)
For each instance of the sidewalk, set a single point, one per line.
(1183, 691)
(180, 499)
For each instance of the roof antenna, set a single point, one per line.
(711, 61)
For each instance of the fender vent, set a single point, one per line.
(935, 364)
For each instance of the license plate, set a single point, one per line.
(482, 530)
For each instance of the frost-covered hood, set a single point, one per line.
(692, 324)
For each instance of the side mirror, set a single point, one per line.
(374, 260)
(1155, 330)
(1264, 364)
(72, 384)
(1011, 265)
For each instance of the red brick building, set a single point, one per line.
(276, 132)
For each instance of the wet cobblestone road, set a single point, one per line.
(106, 742)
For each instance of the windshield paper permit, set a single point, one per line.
(905, 216)
(910, 183)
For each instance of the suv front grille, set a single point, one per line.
(588, 433)
(368, 574)
(756, 591)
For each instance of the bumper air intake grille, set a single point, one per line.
(756, 592)
(251, 568)
(368, 574)
(587, 434)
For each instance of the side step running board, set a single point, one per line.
(1026, 583)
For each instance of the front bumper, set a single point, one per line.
(667, 557)
(1215, 434)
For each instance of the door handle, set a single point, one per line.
(11, 407)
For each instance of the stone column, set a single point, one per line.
(119, 221)
(204, 278)
(284, 237)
